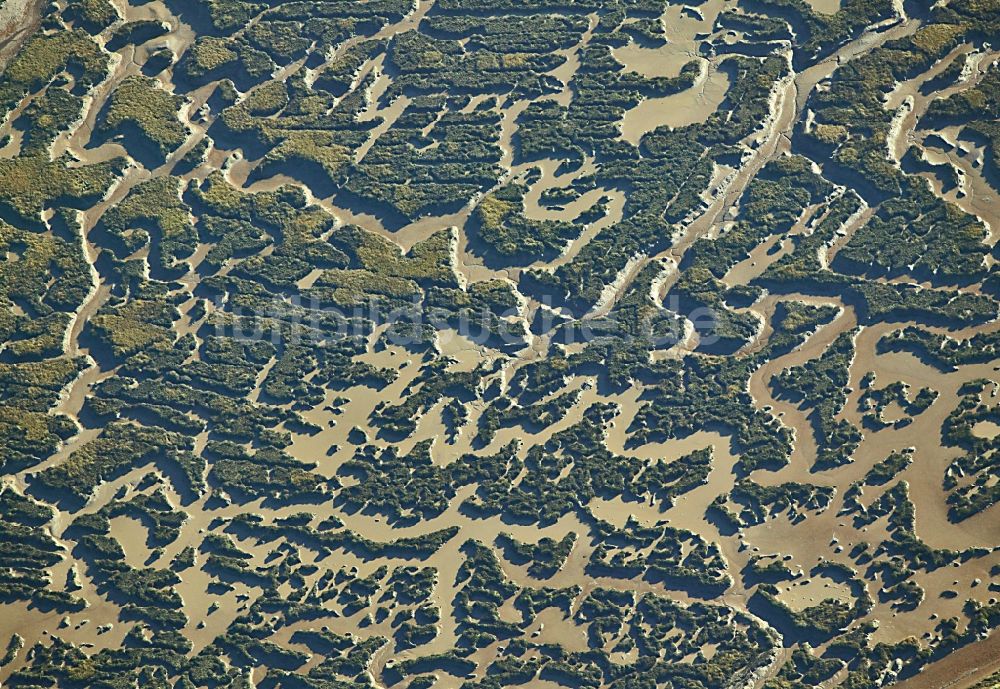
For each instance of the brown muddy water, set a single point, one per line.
(678, 109)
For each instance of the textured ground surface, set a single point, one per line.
(479, 343)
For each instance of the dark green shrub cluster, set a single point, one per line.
(502, 225)
(944, 352)
(121, 447)
(751, 504)
(874, 402)
(545, 558)
(821, 385)
(27, 556)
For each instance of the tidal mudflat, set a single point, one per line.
(472, 344)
